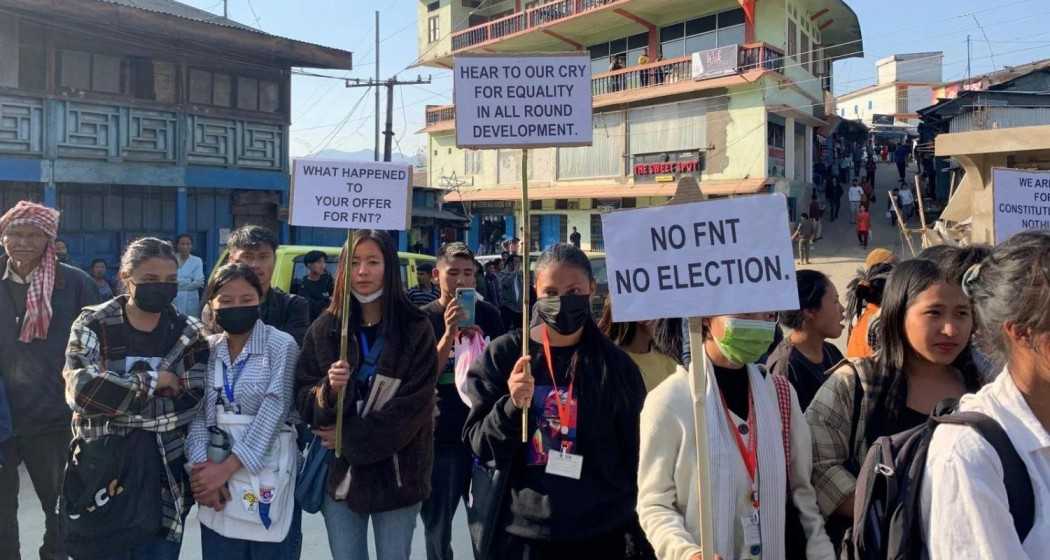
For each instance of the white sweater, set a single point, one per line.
(668, 498)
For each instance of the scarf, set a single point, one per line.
(38, 297)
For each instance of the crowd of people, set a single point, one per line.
(372, 404)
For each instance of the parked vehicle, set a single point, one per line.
(601, 276)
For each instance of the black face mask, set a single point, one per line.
(563, 314)
(154, 297)
(237, 320)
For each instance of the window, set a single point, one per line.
(856, 110)
(597, 236)
(32, 57)
(804, 55)
(603, 158)
(242, 92)
(561, 204)
(433, 6)
(629, 203)
(85, 71)
(792, 37)
(471, 162)
(247, 93)
(433, 29)
(869, 104)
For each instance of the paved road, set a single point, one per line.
(838, 255)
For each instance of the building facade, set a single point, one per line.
(904, 84)
(145, 117)
(742, 126)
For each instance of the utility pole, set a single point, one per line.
(389, 85)
(377, 87)
(226, 8)
(967, 60)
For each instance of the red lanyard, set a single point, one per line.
(749, 453)
(564, 410)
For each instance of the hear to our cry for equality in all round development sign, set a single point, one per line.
(701, 259)
(350, 195)
(522, 101)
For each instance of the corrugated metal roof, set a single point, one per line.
(180, 10)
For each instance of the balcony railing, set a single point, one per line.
(756, 56)
(521, 21)
(440, 113)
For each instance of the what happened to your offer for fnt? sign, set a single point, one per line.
(350, 194)
(701, 259)
(522, 101)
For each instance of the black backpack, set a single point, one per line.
(888, 502)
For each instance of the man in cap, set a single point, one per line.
(39, 299)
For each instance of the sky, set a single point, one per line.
(1003, 32)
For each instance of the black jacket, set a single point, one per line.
(32, 372)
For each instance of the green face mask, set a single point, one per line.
(745, 340)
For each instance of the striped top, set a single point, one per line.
(263, 380)
(421, 297)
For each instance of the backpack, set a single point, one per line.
(887, 506)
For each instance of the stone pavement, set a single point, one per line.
(838, 255)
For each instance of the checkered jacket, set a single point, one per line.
(108, 400)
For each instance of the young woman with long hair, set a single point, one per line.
(571, 489)
(389, 377)
(923, 358)
(639, 340)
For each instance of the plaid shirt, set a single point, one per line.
(829, 417)
(107, 400)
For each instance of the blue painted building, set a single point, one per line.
(146, 117)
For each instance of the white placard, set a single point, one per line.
(350, 194)
(701, 259)
(522, 101)
(1022, 201)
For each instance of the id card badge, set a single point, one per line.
(752, 529)
(565, 464)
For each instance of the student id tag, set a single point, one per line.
(752, 528)
(565, 464)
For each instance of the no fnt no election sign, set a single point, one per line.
(702, 259)
(522, 101)
(350, 194)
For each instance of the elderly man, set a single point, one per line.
(39, 299)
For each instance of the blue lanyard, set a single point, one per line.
(227, 385)
(366, 349)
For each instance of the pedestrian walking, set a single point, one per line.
(425, 290)
(845, 168)
(191, 277)
(135, 377)
(571, 492)
(245, 491)
(41, 298)
(966, 508)
(834, 195)
(907, 200)
(318, 285)
(753, 485)
(638, 340)
(389, 377)
(872, 170)
(924, 357)
(863, 225)
(856, 197)
(900, 157)
(816, 211)
(858, 160)
(804, 234)
(456, 341)
(804, 356)
(106, 288)
(863, 298)
(575, 237)
(256, 247)
(492, 282)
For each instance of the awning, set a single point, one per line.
(436, 214)
(722, 187)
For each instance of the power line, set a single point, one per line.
(990, 51)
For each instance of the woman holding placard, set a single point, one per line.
(760, 453)
(570, 493)
(389, 375)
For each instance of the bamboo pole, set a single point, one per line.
(525, 281)
(344, 342)
(922, 209)
(900, 222)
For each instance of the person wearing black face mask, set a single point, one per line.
(571, 489)
(251, 381)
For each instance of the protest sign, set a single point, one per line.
(522, 101)
(700, 259)
(350, 194)
(1022, 201)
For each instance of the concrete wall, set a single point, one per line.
(450, 10)
(9, 51)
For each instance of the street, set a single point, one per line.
(838, 255)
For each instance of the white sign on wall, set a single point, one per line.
(522, 101)
(350, 194)
(702, 259)
(1022, 201)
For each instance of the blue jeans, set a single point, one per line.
(348, 531)
(450, 481)
(217, 547)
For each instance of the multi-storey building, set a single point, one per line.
(146, 117)
(904, 84)
(729, 91)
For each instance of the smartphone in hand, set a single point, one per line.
(467, 299)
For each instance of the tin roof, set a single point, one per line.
(180, 10)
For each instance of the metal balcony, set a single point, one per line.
(526, 20)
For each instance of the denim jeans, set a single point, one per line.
(217, 547)
(450, 481)
(348, 531)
